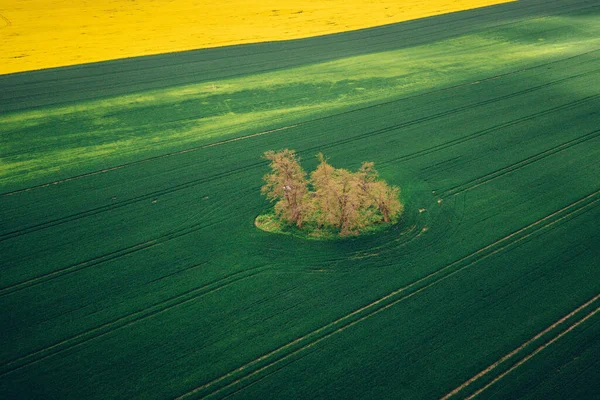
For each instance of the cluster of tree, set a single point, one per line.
(331, 198)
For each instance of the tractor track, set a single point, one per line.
(367, 135)
(127, 320)
(518, 165)
(113, 255)
(278, 356)
(513, 353)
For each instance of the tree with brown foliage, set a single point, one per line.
(349, 201)
(386, 198)
(336, 199)
(286, 185)
(324, 199)
(378, 193)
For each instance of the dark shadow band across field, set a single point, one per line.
(84, 82)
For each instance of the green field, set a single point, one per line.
(131, 266)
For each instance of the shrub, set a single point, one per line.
(340, 200)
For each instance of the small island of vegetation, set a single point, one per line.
(332, 202)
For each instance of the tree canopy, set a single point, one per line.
(333, 199)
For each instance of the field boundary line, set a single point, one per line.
(127, 320)
(518, 165)
(580, 6)
(301, 123)
(538, 350)
(530, 17)
(311, 338)
(518, 349)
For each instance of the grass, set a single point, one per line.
(133, 268)
(269, 222)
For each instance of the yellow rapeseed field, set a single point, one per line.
(37, 34)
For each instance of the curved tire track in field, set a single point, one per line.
(117, 167)
(171, 235)
(362, 136)
(276, 357)
(445, 222)
(127, 320)
(518, 165)
(510, 355)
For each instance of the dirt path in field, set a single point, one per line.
(52, 33)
